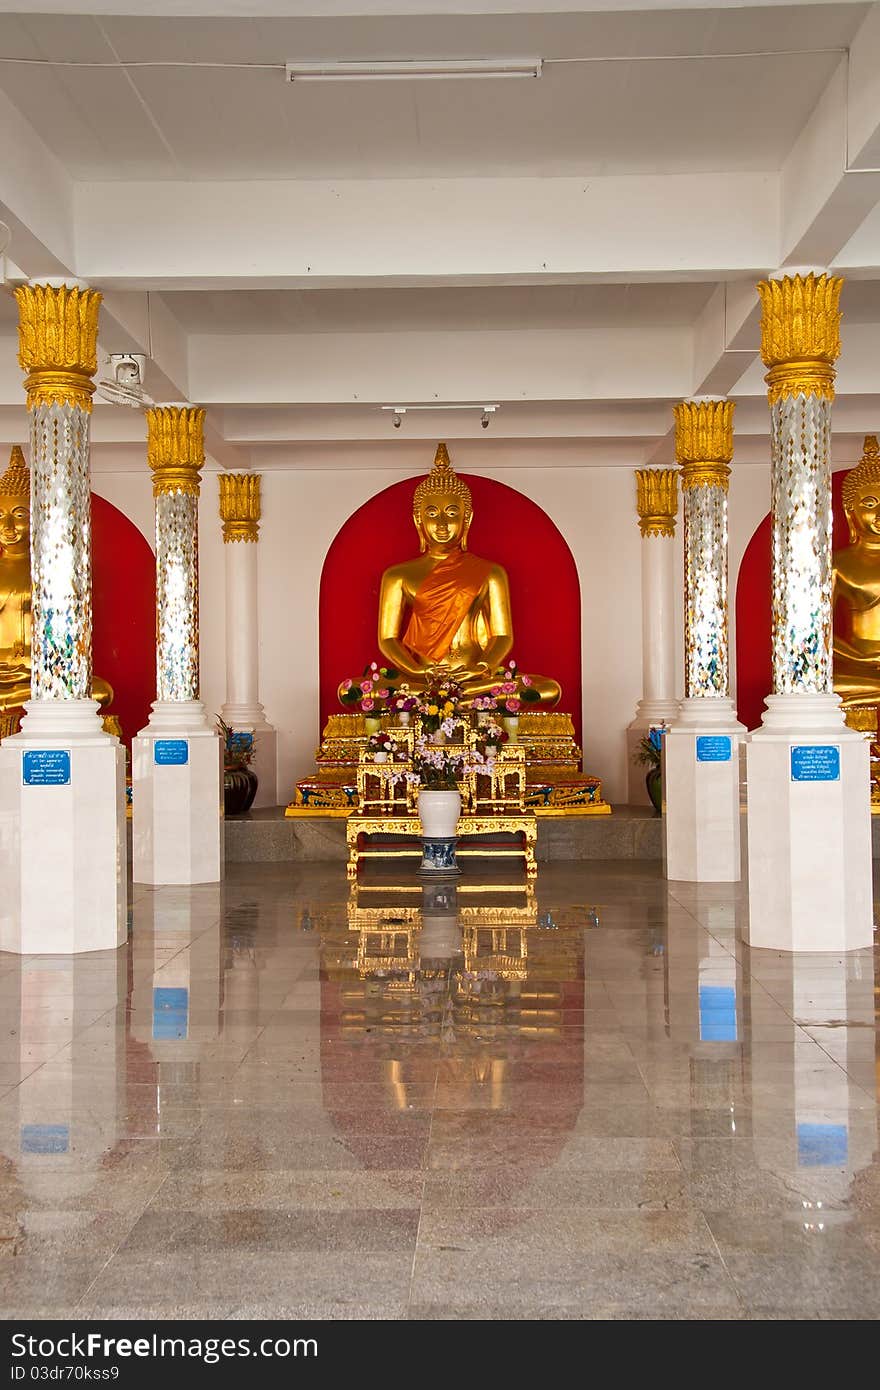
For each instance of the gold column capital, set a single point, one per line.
(240, 506)
(800, 334)
(175, 447)
(657, 500)
(704, 442)
(58, 343)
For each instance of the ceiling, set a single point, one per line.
(580, 249)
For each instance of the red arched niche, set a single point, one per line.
(124, 608)
(754, 614)
(509, 528)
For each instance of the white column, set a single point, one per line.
(240, 510)
(62, 778)
(701, 750)
(809, 823)
(657, 507)
(177, 796)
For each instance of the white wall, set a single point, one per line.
(303, 509)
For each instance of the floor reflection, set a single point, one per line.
(581, 1097)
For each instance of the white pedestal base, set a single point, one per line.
(809, 841)
(650, 714)
(701, 785)
(62, 842)
(177, 806)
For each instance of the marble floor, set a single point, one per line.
(286, 1099)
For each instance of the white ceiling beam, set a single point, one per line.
(634, 363)
(824, 197)
(36, 198)
(268, 234)
(348, 9)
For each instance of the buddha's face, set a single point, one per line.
(864, 513)
(15, 525)
(443, 519)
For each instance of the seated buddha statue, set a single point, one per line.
(446, 613)
(15, 590)
(856, 586)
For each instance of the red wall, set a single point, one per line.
(753, 611)
(124, 604)
(508, 528)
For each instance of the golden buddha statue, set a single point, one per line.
(446, 613)
(15, 590)
(856, 586)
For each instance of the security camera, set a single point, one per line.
(396, 420)
(128, 368)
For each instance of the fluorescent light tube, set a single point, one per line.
(404, 70)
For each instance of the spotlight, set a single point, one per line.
(396, 419)
(484, 419)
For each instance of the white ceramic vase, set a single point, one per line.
(380, 757)
(439, 812)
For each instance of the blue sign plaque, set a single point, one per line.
(45, 1139)
(713, 748)
(170, 1012)
(815, 762)
(45, 767)
(171, 752)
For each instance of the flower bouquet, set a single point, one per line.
(372, 693)
(438, 706)
(380, 745)
(402, 703)
(513, 690)
(436, 767)
(489, 741)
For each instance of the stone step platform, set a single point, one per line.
(266, 836)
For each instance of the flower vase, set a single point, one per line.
(239, 789)
(438, 737)
(372, 723)
(438, 813)
(380, 757)
(403, 717)
(654, 784)
(511, 725)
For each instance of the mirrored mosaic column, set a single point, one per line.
(177, 768)
(809, 837)
(657, 509)
(702, 828)
(62, 778)
(240, 512)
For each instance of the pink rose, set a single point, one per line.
(512, 665)
(346, 685)
(513, 706)
(367, 705)
(373, 666)
(509, 688)
(367, 687)
(526, 680)
(382, 694)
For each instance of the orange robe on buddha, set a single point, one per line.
(442, 602)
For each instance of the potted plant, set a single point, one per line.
(436, 770)
(240, 782)
(490, 738)
(648, 754)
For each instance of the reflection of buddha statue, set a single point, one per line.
(856, 594)
(15, 589)
(447, 612)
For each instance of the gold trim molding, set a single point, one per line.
(175, 447)
(704, 442)
(800, 334)
(240, 506)
(58, 343)
(657, 500)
